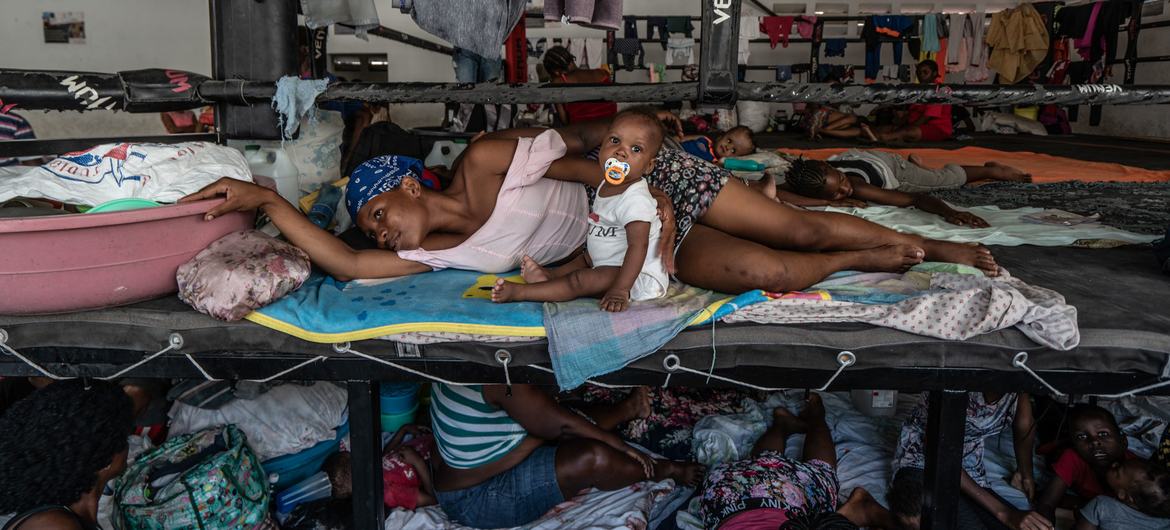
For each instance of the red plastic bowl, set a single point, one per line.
(63, 263)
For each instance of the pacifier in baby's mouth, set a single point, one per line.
(616, 171)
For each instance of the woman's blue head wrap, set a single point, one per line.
(379, 175)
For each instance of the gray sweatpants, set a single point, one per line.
(913, 178)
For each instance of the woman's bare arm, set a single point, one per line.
(325, 250)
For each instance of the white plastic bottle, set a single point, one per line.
(444, 153)
(276, 164)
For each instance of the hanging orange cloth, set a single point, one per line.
(1018, 41)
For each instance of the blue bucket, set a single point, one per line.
(398, 398)
(296, 467)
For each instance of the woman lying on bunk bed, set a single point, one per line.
(498, 209)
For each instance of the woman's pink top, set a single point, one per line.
(534, 216)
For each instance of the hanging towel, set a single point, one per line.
(361, 14)
(749, 27)
(595, 52)
(576, 48)
(479, 27)
(1019, 42)
(835, 47)
(604, 14)
(744, 51)
(657, 24)
(516, 55)
(805, 26)
(978, 44)
(929, 34)
(680, 25)
(680, 51)
(777, 28)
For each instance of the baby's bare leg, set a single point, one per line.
(577, 284)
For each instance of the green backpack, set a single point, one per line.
(207, 480)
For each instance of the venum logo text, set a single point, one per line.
(721, 15)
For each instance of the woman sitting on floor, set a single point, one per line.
(563, 70)
(498, 209)
(60, 447)
(770, 490)
(508, 455)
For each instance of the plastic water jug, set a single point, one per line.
(444, 153)
(275, 163)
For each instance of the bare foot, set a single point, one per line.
(889, 258)
(504, 291)
(784, 420)
(972, 254)
(868, 133)
(864, 511)
(531, 271)
(683, 473)
(1008, 173)
(814, 410)
(637, 404)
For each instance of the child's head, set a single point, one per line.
(819, 180)
(736, 141)
(1141, 485)
(1096, 437)
(557, 60)
(634, 138)
(927, 71)
(338, 468)
(905, 498)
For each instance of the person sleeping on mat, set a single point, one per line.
(518, 192)
(621, 263)
(856, 177)
(922, 122)
(770, 490)
(736, 141)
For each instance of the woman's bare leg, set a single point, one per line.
(996, 171)
(715, 260)
(744, 213)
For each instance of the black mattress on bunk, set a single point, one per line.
(1121, 298)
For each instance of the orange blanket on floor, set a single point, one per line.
(1044, 168)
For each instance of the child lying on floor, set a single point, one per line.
(621, 262)
(736, 141)
(1142, 499)
(406, 477)
(1097, 444)
(856, 176)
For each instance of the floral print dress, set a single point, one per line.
(770, 480)
(984, 420)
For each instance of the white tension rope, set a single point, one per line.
(671, 363)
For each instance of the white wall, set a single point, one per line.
(130, 34)
(120, 35)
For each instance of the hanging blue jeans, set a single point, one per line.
(472, 68)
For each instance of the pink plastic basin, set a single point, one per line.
(63, 263)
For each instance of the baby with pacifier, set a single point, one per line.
(621, 263)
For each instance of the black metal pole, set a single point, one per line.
(718, 52)
(945, 426)
(365, 437)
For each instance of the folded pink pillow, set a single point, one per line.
(241, 272)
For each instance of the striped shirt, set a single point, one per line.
(14, 127)
(469, 432)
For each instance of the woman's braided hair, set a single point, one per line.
(806, 177)
(557, 59)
